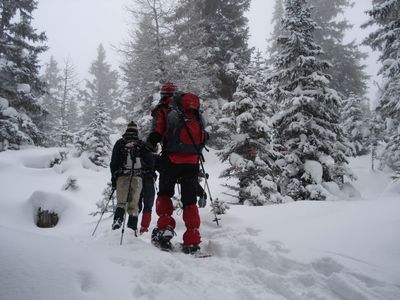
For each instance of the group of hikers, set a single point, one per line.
(178, 126)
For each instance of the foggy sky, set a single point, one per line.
(76, 27)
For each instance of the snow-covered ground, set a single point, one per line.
(302, 250)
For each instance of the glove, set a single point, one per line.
(114, 182)
(150, 147)
(202, 201)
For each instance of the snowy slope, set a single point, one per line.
(302, 250)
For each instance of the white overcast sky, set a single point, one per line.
(76, 27)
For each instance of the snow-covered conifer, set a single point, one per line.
(277, 31)
(386, 38)
(251, 154)
(347, 70)
(225, 24)
(21, 115)
(103, 87)
(355, 121)
(189, 67)
(308, 126)
(95, 138)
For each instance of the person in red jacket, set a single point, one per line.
(176, 163)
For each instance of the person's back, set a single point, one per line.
(182, 136)
(126, 171)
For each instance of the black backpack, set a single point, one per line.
(185, 128)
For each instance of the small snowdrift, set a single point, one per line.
(53, 203)
(41, 159)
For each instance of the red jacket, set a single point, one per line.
(159, 129)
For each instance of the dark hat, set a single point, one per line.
(132, 127)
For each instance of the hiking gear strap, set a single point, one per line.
(204, 171)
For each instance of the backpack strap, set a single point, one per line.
(192, 139)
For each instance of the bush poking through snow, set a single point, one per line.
(58, 159)
(71, 184)
(219, 207)
(101, 204)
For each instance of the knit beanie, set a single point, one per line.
(132, 127)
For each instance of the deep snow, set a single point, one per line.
(348, 249)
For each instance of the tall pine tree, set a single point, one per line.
(101, 87)
(20, 113)
(345, 58)
(146, 58)
(251, 154)
(52, 98)
(308, 126)
(355, 115)
(227, 35)
(385, 14)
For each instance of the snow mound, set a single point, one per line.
(314, 170)
(88, 164)
(48, 201)
(43, 161)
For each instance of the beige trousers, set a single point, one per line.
(122, 193)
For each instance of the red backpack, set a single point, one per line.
(185, 128)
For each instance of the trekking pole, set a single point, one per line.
(104, 210)
(209, 192)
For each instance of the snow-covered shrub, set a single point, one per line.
(219, 207)
(59, 158)
(104, 203)
(71, 184)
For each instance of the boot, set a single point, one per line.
(132, 222)
(118, 218)
(190, 249)
(161, 238)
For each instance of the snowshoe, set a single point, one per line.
(193, 250)
(161, 238)
(116, 224)
(190, 249)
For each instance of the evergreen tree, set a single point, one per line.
(345, 59)
(250, 154)
(226, 39)
(308, 126)
(102, 87)
(190, 72)
(386, 38)
(95, 138)
(355, 114)
(211, 38)
(277, 31)
(52, 98)
(67, 122)
(21, 116)
(60, 101)
(329, 33)
(146, 58)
